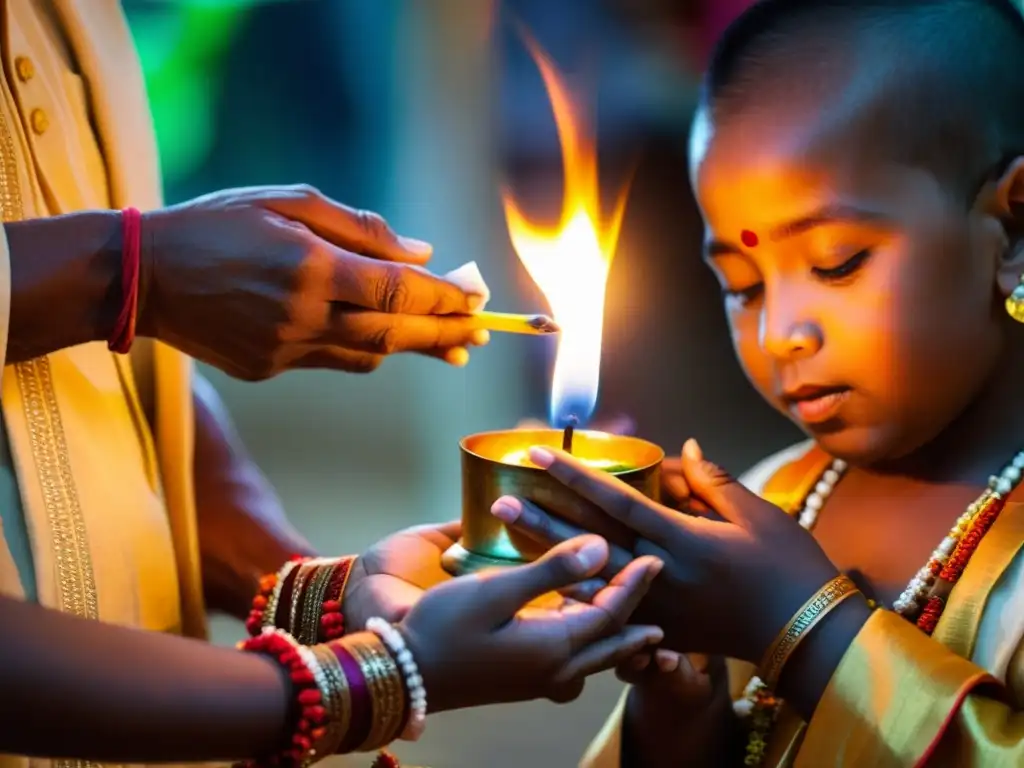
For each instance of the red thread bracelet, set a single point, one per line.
(123, 335)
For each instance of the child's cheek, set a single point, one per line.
(745, 329)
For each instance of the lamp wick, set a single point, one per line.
(570, 427)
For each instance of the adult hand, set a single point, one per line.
(731, 581)
(477, 642)
(392, 575)
(260, 280)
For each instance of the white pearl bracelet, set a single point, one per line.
(393, 639)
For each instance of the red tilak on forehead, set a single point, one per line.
(748, 238)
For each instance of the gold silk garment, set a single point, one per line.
(898, 697)
(106, 501)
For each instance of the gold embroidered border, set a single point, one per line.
(76, 581)
(77, 585)
(10, 188)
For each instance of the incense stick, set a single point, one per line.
(503, 322)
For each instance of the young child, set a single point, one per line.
(859, 165)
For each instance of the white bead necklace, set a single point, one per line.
(909, 601)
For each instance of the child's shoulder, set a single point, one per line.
(758, 475)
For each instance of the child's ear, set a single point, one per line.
(1008, 205)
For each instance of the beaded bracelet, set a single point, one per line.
(348, 695)
(759, 708)
(264, 604)
(413, 681)
(304, 598)
(302, 745)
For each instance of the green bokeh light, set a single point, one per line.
(182, 47)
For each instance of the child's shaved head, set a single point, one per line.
(859, 165)
(948, 75)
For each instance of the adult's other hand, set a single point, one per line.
(260, 280)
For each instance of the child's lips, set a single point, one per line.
(813, 405)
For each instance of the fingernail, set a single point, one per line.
(474, 301)
(417, 247)
(480, 337)
(667, 663)
(653, 570)
(692, 451)
(591, 554)
(542, 457)
(507, 509)
(656, 637)
(457, 356)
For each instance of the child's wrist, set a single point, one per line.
(813, 664)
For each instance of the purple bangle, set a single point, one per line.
(362, 703)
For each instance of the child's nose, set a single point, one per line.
(786, 339)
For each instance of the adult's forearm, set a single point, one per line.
(65, 281)
(243, 531)
(81, 689)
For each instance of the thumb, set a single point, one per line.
(713, 485)
(505, 591)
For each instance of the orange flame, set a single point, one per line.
(570, 261)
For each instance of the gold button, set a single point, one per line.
(40, 121)
(25, 68)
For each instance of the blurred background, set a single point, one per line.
(421, 110)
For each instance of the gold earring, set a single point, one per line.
(1015, 302)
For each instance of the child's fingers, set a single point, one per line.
(672, 480)
(610, 652)
(672, 675)
(548, 530)
(668, 662)
(633, 671)
(625, 591)
(613, 606)
(502, 593)
(655, 667)
(585, 591)
(557, 524)
(618, 500)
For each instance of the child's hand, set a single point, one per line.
(678, 711)
(679, 681)
(733, 578)
(392, 575)
(475, 643)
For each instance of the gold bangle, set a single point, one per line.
(337, 722)
(344, 581)
(314, 600)
(814, 610)
(385, 715)
(385, 683)
(394, 716)
(372, 678)
(342, 692)
(297, 592)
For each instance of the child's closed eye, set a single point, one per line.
(845, 269)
